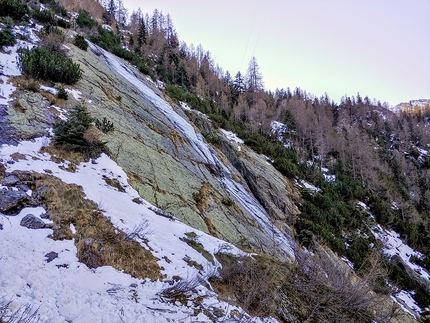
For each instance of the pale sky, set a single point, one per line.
(380, 48)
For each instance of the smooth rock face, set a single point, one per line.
(164, 166)
(11, 202)
(30, 221)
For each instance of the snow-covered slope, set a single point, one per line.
(65, 289)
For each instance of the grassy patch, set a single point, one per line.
(114, 183)
(98, 242)
(191, 240)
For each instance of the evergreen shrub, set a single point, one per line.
(7, 37)
(14, 9)
(84, 20)
(80, 42)
(41, 63)
(62, 94)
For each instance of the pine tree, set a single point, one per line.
(142, 33)
(112, 8)
(239, 83)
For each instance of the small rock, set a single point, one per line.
(47, 171)
(93, 161)
(88, 241)
(40, 192)
(1, 226)
(23, 187)
(44, 216)
(51, 256)
(30, 221)
(10, 180)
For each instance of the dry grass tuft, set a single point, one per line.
(24, 83)
(50, 97)
(92, 135)
(17, 106)
(18, 156)
(59, 155)
(114, 183)
(191, 240)
(98, 242)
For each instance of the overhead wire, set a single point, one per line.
(261, 30)
(249, 37)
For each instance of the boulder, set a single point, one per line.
(11, 202)
(30, 221)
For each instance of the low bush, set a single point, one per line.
(7, 37)
(63, 23)
(14, 9)
(44, 17)
(41, 63)
(105, 125)
(80, 42)
(84, 20)
(62, 94)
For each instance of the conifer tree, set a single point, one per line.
(142, 33)
(254, 78)
(239, 83)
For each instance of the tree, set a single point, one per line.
(239, 83)
(254, 78)
(141, 33)
(111, 9)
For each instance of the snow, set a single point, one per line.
(75, 93)
(329, 178)
(49, 89)
(303, 183)
(9, 61)
(231, 136)
(363, 206)
(348, 262)
(184, 106)
(279, 129)
(65, 289)
(395, 246)
(406, 302)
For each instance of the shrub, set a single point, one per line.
(14, 9)
(52, 38)
(80, 42)
(62, 94)
(77, 135)
(63, 23)
(44, 17)
(41, 63)
(104, 125)
(227, 201)
(7, 37)
(84, 20)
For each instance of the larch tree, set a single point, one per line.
(254, 78)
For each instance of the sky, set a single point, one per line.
(379, 48)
